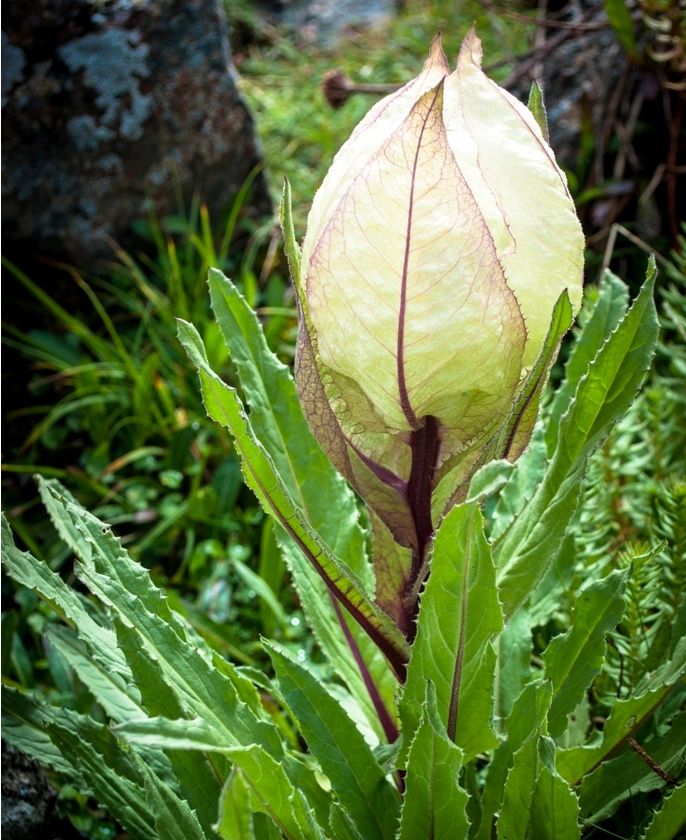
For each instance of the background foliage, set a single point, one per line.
(113, 411)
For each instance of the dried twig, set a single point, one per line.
(654, 766)
(539, 53)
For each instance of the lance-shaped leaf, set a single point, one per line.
(174, 820)
(344, 756)
(112, 576)
(537, 108)
(434, 805)
(516, 433)
(514, 649)
(626, 718)
(272, 788)
(49, 586)
(518, 791)
(100, 765)
(235, 810)
(554, 809)
(537, 802)
(573, 658)
(609, 309)
(603, 791)
(459, 615)
(670, 819)
(524, 553)
(196, 736)
(524, 725)
(160, 696)
(278, 423)
(223, 405)
(101, 681)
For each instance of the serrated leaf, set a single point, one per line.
(537, 108)
(36, 743)
(270, 785)
(550, 593)
(513, 649)
(103, 683)
(671, 817)
(278, 423)
(554, 809)
(614, 781)
(434, 804)
(197, 778)
(174, 820)
(626, 718)
(344, 756)
(524, 553)
(525, 477)
(517, 431)
(341, 825)
(459, 615)
(235, 812)
(608, 311)
(123, 798)
(37, 576)
(524, 723)
(513, 820)
(112, 576)
(573, 658)
(223, 404)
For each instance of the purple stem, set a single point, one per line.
(387, 722)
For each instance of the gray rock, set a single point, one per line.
(326, 21)
(104, 105)
(29, 803)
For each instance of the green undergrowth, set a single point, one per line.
(281, 76)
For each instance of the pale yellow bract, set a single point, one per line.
(436, 249)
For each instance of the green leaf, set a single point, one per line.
(554, 809)
(556, 585)
(36, 743)
(614, 781)
(526, 550)
(38, 576)
(201, 688)
(341, 825)
(235, 811)
(513, 648)
(344, 756)
(573, 658)
(122, 798)
(609, 309)
(524, 723)
(513, 820)
(434, 805)
(670, 819)
(537, 108)
(626, 718)
(517, 431)
(174, 820)
(103, 683)
(222, 404)
(620, 17)
(197, 778)
(279, 425)
(270, 785)
(458, 617)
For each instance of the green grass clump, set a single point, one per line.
(281, 78)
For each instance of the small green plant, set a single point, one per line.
(478, 716)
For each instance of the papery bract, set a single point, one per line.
(437, 247)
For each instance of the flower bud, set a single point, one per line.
(436, 249)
